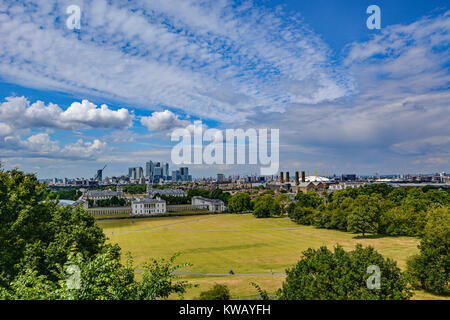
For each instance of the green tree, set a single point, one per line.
(339, 275)
(310, 199)
(240, 202)
(303, 215)
(217, 292)
(262, 206)
(430, 269)
(39, 240)
(364, 214)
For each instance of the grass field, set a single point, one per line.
(216, 243)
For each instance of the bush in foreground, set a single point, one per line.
(430, 269)
(340, 275)
(217, 292)
(53, 252)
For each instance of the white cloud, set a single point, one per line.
(401, 111)
(20, 113)
(163, 121)
(215, 59)
(41, 145)
(4, 129)
(84, 149)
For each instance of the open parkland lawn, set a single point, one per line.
(216, 243)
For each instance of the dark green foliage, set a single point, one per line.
(174, 200)
(113, 202)
(134, 188)
(266, 206)
(303, 215)
(262, 293)
(39, 240)
(339, 275)
(380, 209)
(430, 269)
(240, 202)
(217, 292)
(66, 194)
(365, 213)
(310, 199)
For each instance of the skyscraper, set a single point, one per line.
(149, 166)
(165, 171)
(135, 173)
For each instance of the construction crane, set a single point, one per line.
(99, 174)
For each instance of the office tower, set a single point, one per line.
(184, 173)
(135, 173)
(165, 171)
(220, 177)
(149, 168)
(157, 172)
(140, 172)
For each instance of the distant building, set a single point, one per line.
(214, 205)
(168, 192)
(148, 206)
(345, 185)
(220, 177)
(348, 177)
(181, 175)
(149, 166)
(316, 186)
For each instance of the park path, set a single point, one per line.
(215, 230)
(226, 274)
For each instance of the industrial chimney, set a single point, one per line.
(281, 177)
(287, 177)
(303, 176)
(297, 178)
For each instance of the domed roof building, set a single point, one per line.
(316, 179)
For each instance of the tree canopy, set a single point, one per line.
(323, 274)
(41, 243)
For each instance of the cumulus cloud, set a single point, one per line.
(163, 121)
(85, 149)
(41, 145)
(20, 113)
(223, 60)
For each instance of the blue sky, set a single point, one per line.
(345, 98)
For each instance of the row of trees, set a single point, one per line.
(381, 209)
(66, 194)
(214, 194)
(262, 207)
(370, 209)
(112, 202)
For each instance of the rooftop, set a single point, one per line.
(147, 200)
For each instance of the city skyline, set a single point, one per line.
(345, 98)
